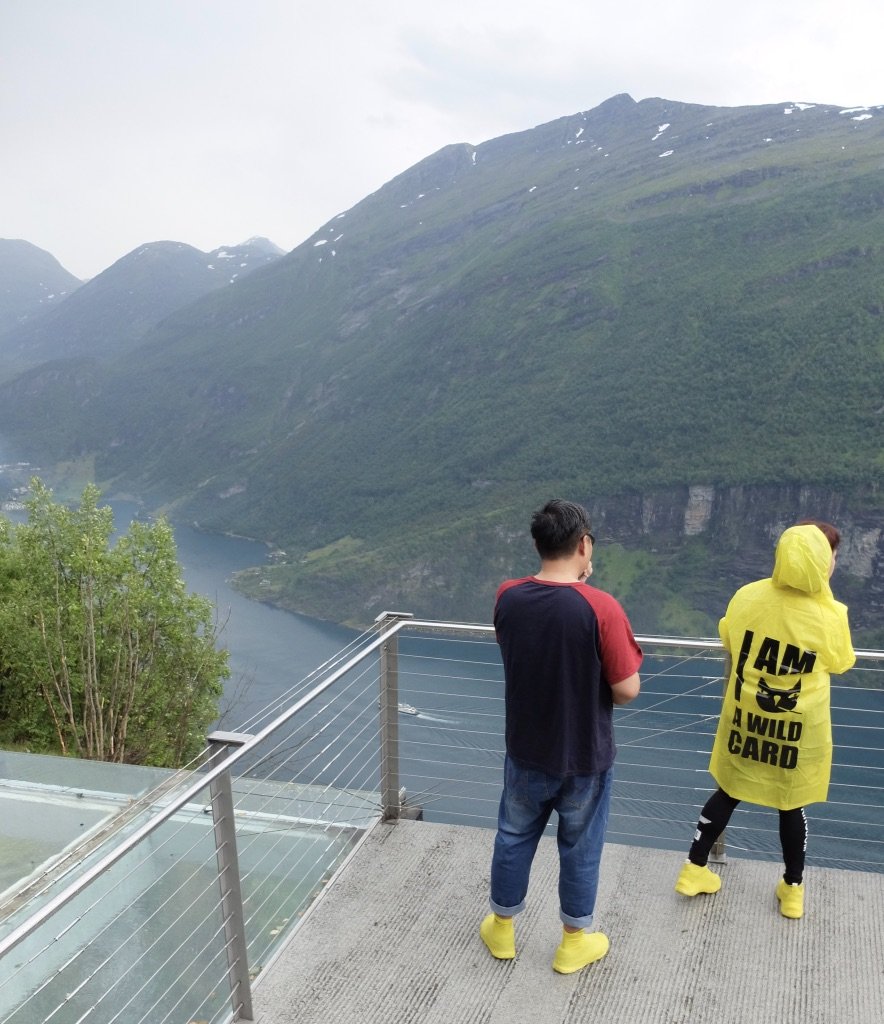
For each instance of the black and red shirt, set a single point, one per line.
(563, 645)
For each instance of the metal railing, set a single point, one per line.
(185, 903)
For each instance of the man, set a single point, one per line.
(568, 656)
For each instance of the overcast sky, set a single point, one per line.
(210, 121)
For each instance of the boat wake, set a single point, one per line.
(435, 718)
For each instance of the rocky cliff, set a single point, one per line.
(735, 529)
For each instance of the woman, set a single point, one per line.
(773, 746)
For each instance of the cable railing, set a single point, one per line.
(173, 916)
(452, 750)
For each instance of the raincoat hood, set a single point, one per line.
(802, 561)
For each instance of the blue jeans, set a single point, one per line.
(529, 798)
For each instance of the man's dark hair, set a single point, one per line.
(558, 527)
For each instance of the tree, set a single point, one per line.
(103, 652)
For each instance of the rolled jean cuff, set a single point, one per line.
(576, 922)
(506, 911)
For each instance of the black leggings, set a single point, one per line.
(717, 813)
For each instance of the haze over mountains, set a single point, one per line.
(113, 311)
(669, 311)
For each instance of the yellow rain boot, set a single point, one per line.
(693, 879)
(579, 949)
(499, 935)
(791, 898)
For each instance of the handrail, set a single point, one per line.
(14, 937)
(703, 643)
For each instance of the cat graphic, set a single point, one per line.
(772, 700)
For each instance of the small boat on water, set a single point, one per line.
(407, 709)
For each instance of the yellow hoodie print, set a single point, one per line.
(773, 745)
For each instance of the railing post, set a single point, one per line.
(224, 821)
(391, 801)
(718, 853)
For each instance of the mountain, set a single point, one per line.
(31, 282)
(670, 311)
(110, 314)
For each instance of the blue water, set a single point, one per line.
(271, 650)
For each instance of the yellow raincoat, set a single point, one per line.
(784, 635)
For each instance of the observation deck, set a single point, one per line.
(330, 861)
(395, 940)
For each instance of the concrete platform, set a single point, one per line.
(395, 940)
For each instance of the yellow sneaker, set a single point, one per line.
(693, 879)
(579, 949)
(499, 935)
(791, 899)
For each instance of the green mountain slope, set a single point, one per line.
(641, 297)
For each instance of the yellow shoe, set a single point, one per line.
(499, 935)
(693, 879)
(791, 899)
(579, 949)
